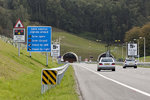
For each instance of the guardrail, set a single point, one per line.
(138, 63)
(121, 63)
(143, 63)
(52, 77)
(10, 41)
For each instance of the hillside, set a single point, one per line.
(83, 47)
(20, 77)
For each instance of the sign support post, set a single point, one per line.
(19, 34)
(19, 49)
(30, 54)
(39, 39)
(46, 58)
(126, 49)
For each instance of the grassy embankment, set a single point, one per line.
(147, 59)
(20, 77)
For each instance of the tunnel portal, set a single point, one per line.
(70, 57)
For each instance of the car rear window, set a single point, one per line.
(129, 60)
(106, 60)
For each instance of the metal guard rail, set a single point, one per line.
(60, 73)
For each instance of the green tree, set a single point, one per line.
(133, 33)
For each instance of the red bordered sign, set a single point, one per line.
(19, 32)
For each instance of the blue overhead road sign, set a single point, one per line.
(39, 38)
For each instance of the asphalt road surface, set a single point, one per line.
(123, 84)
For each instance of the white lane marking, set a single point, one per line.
(127, 86)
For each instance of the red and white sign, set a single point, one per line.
(19, 24)
(19, 32)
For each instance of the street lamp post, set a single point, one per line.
(122, 51)
(126, 49)
(123, 45)
(138, 48)
(144, 47)
(118, 42)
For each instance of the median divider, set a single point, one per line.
(51, 77)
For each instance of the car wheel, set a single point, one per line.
(98, 70)
(124, 67)
(113, 69)
(135, 67)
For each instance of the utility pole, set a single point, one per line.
(138, 50)
(126, 49)
(122, 51)
(144, 49)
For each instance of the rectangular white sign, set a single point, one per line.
(19, 35)
(55, 50)
(132, 49)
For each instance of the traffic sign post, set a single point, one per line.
(39, 39)
(46, 58)
(19, 34)
(30, 54)
(19, 49)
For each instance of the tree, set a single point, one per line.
(133, 33)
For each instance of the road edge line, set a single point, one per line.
(78, 85)
(122, 84)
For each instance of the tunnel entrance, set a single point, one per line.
(70, 57)
(104, 55)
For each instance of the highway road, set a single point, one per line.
(123, 84)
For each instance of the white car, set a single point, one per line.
(106, 63)
(130, 63)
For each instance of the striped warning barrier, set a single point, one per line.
(49, 77)
(52, 77)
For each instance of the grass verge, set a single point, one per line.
(66, 90)
(20, 77)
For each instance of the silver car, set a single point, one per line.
(130, 63)
(106, 63)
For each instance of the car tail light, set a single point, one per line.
(113, 63)
(100, 64)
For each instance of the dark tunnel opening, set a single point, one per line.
(70, 57)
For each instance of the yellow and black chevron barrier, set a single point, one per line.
(49, 77)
